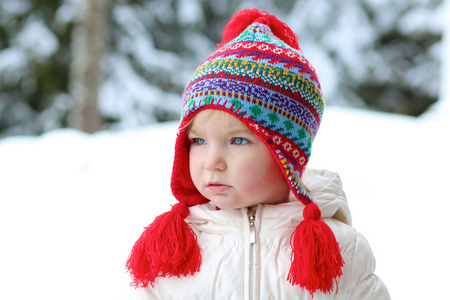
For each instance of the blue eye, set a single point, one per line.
(198, 141)
(239, 141)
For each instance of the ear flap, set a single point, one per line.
(183, 187)
(167, 247)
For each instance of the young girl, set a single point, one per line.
(252, 221)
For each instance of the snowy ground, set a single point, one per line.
(72, 205)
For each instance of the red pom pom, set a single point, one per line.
(316, 260)
(167, 247)
(312, 212)
(241, 20)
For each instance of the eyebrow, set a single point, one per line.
(240, 131)
(192, 131)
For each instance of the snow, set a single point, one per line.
(69, 218)
(189, 12)
(12, 64)
(124, 83)
(15, 7)
(72, 205)
(37, 39)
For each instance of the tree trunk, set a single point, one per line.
(88, 45)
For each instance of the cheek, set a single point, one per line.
(271, 175)
(258, 171)
(194, 167)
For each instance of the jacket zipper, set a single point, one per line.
(251, 220)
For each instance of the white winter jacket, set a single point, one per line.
(245, 259)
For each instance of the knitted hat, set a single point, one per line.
(260, 76)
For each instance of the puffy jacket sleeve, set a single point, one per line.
(365, 284)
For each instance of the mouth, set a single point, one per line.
(217, 188)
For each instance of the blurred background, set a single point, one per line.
(73, 204)
(99, 64)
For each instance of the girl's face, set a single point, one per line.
(230, 165)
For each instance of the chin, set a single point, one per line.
(224, 205)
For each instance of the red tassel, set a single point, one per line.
(316, 260)
(167, 247)
(244, 18)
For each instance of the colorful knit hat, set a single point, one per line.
(260, 76)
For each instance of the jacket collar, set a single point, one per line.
(324, 186)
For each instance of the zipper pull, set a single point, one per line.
(251, 220)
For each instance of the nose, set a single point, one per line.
(215, 160)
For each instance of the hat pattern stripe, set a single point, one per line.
(279, 128)
(283, 49)
(291, 78)
(283, 62)
(260, 111)
(260, 89)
